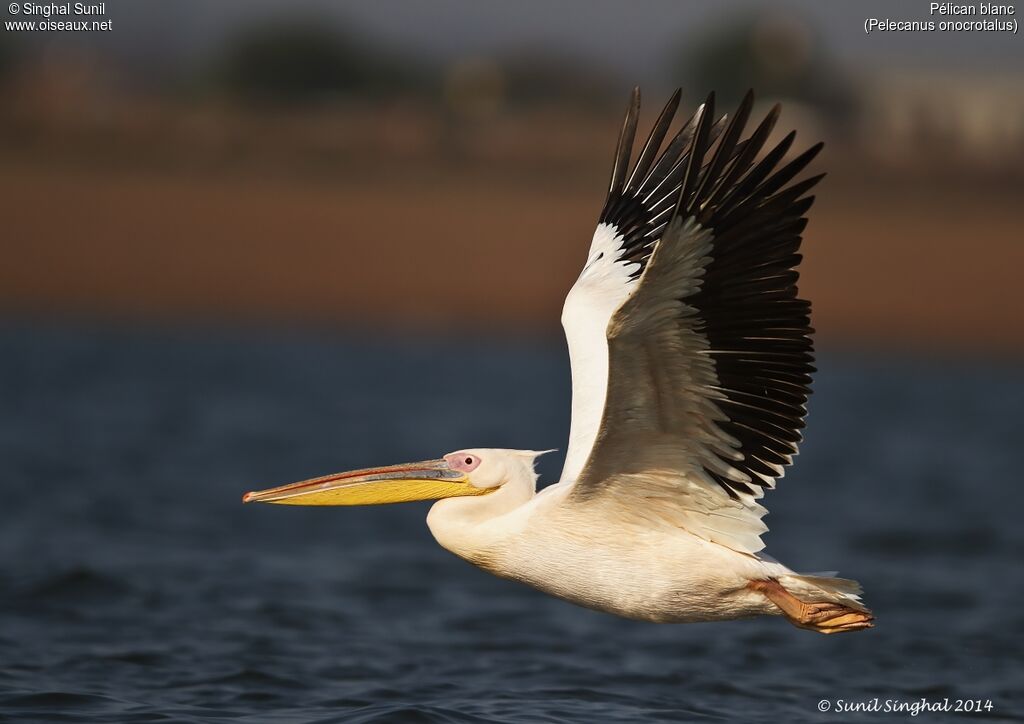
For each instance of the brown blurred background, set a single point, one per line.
(404, 164)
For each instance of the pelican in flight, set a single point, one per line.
(691, 368)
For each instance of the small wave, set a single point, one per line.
(77, 584)
(46, 699)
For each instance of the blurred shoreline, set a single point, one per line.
(893, 259)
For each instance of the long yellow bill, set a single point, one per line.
(428, 480)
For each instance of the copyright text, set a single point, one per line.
(58, 16)
(913, 707)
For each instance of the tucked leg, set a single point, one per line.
(821, 616)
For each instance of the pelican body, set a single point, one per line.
(691, 359)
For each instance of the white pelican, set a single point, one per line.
(691, 361)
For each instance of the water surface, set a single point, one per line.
(134, 586)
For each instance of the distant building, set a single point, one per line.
(970, 118)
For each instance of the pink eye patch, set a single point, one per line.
(464, 462)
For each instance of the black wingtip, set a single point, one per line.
(697, 151)
(748, 99)
(724, 152)
(624, 149)
(649, 152)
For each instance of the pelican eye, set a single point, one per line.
(463, 462)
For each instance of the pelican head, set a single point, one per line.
(463, 473)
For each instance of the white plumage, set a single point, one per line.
(603, 285)
(691, 361)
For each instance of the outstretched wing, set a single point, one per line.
(635, 213)
(706, 352)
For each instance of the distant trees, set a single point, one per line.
(779, 56)
(307, 60)
(283, 61)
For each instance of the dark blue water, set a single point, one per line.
(134, 586)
